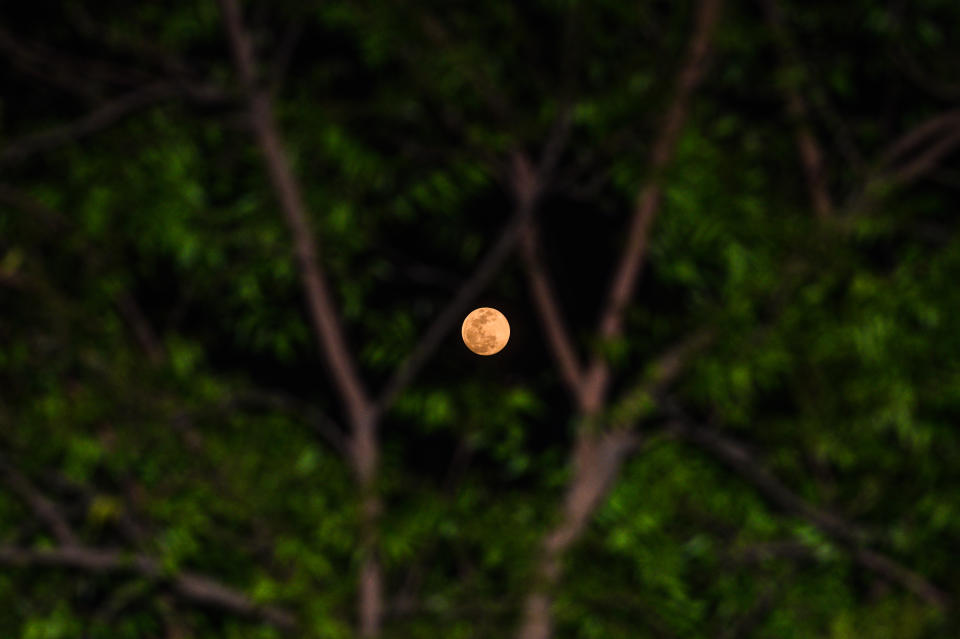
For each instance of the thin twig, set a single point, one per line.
(551, 317)
(738, 458)
(809, 150)
(450, 315)
(193, 587)
(666, 368)
(42, 507)
(322, 423)
(97, 120)
(142, 330)
(648, 202)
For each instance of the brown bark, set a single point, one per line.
(527, 186)
(911, 156)
(98, 119)
(738, 458)
(808, 149)
(811, 157)
(45, 510)
(648, 202)
(142, 330)
(596, 461)
(929, 158)
(196, 588)
(360, 409)
(551, 318)
(931, 129)
(71, 554)
(597, 456)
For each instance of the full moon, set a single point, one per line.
(485, 331)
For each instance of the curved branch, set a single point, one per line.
(648, 202)
(932, 128)
(450, 315)
(360, 408)
(98, 119)
(192, 587)
(811, 155)
(558, 336)
(43, 508)
(288, 191)
(738, 458)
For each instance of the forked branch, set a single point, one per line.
(648, 202)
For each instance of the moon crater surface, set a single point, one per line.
(485, 331)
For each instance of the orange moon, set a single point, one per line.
(485, 331)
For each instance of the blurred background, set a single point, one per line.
(237, 240)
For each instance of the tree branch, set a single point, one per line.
(142, 330)
(664, 371)
(809, 150)
(596, 462)
(360, 409)
(451, 314)
(288, 192)
(928, 159)
(925, 143)
(648, 202)
(930, 129)
(193, 587)
(596, 455)
(324, 426)
(551, 317)
(738, 458)
(66, 71)
(98, 119)
(42, 507)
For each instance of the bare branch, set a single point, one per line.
(98, 119)
(648, 201)
(287, 189)
(811, 156)
(930, 129)
(738, 457)
(66, 71)
(361, 410)
(142, 330)
(551, 317)
(597, 460)
(925, 79)
(912, 155)
(486, 89)
(898, 573)
(195, 588)
(929, 158)
(452, 312)
(324, 426)
(42, 507)
(597, 456)
(664, 371)
(746, 624)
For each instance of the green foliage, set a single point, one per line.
(160, 377)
